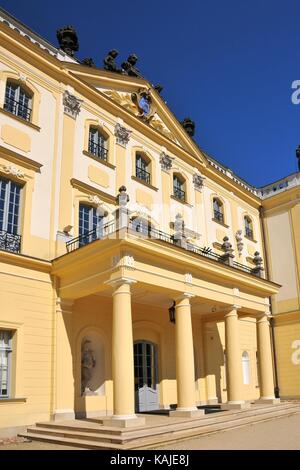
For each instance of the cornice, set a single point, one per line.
(86, 188)
(20, 159)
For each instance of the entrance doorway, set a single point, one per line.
(145, 376)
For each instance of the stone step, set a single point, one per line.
(159, 435)
(183, 422)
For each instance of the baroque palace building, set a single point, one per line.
(137, 273)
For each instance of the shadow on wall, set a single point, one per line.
(215, 363)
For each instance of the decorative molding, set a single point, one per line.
(71, 104)
(188, 278)
(239, 241)
(128, 262)
(86, 188)
(94, 199)
(19, 159)
(13, 170)
(198, 181)
(166, 161)
(22, 77)
(122, 135)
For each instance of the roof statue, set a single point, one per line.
(189, 126)
(129, 66)
(68, 40)
(88, 61)
(110, 63)
(298, 156)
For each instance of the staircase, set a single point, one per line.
(159, 430)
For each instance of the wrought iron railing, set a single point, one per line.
(153, 234)
(142, 174)
(17, 108)
(98, 150)
(10, 242)
(179, 193)
(249, 233)
(219, 216)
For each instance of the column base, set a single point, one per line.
(63, 414)
(185, 413)
(268, 401)
(213, 401)
(235, 405)
(124, 422)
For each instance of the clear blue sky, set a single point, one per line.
(228, 65)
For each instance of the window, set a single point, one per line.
(246, 368)
(98, 144)
(218, 210)
(141, 168)
(90, 224)
(178, 187)
(5, 361)
(10, 193)
(248, 227)
(18, 101)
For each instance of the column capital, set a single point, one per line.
(231, 308)
(184, 295)
(64, 305)
(120, 280)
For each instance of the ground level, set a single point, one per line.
(262, 436)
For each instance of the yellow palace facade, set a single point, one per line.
(136, 271)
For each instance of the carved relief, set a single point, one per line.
(239, 241)
(71, 104)
(88, 363)
(122, 135)
(166, 161)
(198, 181)
(12, 170)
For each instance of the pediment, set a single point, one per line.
(125, 100)
(127, 92)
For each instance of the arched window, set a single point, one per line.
(18, 101)
(246, 368)
(98, 143)
(90, 224)
(142, 167)
(218, 209)
(179, 187)
(248, 227)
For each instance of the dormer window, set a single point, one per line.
(218, 210)
(98, 144)
(18, 100)
(248, 227)
(142, 168)
(178, 187)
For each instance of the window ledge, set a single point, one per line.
(17, 118)
(180, 200)
(144, 183)
(250, 239)
(220, 223)
(99, 160)
(13, 400)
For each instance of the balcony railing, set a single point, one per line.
(151, 233)
(142, 174)
(179, 194)
(98, 150)
(249, 233)
(17, 108)
(219, 216)
(10, 242)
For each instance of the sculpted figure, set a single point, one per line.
(110, 61)
(129, 67)
(88, 362)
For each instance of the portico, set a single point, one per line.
(190, 363)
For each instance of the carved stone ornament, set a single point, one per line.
(12, 170)
(88, 363)
(71, 104)
(122, 135)
(227, 246)
(188, 278)
(143, 101)
(166, 161)
(128, 261)
(94, 199)
(198, 181)
(239, 241)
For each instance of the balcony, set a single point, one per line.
(142, 175)
(17, 108)
(10, 242)
(98, 150)
(179, 194)
(219, 216)
(111, 231)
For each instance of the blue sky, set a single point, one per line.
(228, 65)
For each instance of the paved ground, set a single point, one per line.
(276, 434)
